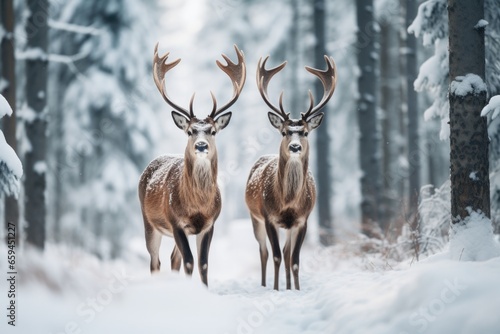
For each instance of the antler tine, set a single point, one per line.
(328, 78)
(237, 73)
(160, 68)
(263, 78)
(214, 103)
(191, 113)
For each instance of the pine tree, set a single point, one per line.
(108, 122)
(8, 90)
(367, 118)
(36, 94)
(323, 164)
(413, 114)
(470, 187)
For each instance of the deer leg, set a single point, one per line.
(272, 234)
(175, 259)
(297, 240)
(259, 231)
(153, 241)
(182, 243)
(203, 242)
(286, 257)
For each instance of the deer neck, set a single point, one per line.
(199, 179)
(291, 176)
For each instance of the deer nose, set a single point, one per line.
(295, 148)
(201, 146)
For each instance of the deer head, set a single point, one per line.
(201, 131)
(295, 131)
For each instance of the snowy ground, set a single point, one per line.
(65, 291)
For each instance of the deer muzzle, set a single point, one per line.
(295, 148)
(201, 147)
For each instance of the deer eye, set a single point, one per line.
(283, 133)
(214, 133)
(306, 133)
(190, 133)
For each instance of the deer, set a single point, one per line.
(179, 195)
(280, 190)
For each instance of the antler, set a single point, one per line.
(237, 73)
(160, 68)
(263, 78)
(328, 78)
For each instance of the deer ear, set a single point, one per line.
(180, 121)
(315, 121)
(275, 120)
(222, 121)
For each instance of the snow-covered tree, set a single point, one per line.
(8, 90)
(469, 172)
(11, 169)
(35, 122)
(108, 121)
(431, 24)
(371, 182)
(391, 111)
(323, 139)
(413, 111)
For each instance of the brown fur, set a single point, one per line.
(280, 190)
(281, 193)
(179, 197)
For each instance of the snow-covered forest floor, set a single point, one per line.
(68, 291)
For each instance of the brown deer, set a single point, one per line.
(280, 190)
(179, 195)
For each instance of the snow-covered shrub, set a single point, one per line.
(435, 211)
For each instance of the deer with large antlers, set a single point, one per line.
(280, 191)
(179, 196)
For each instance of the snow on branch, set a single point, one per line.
(11, 168)
(5, 108)
(492, 107)
(32, 54)
(481, 24)
(55, 58)
(69, 60)
(74, 28)
(470, 84)
(3, 84)
(430, 22)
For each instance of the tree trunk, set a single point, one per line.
(322, 137)
(9, 92)
(390, 104)
(36, 86)
(470, 189)
(367, 118)
(413, 117)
